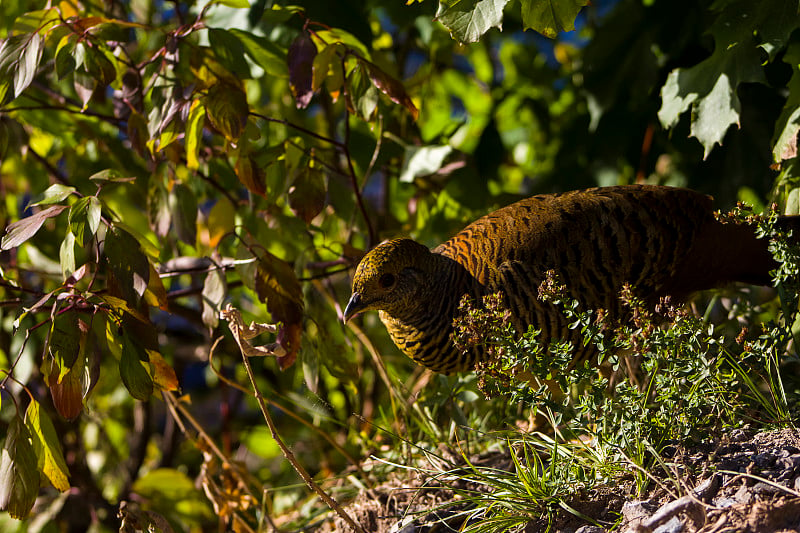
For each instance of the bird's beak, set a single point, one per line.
(354, 306)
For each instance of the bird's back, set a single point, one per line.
(636, 233)
(660, 240)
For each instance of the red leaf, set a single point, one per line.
(67, 394)
(307, 194)
(392, 88)
(289, 337)
(251, 175)
(278, 286)
(24, 229)
(301, 60)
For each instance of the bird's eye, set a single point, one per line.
(386, 281)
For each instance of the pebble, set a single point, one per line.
(674, 525)
(590, 529)
(638, 510)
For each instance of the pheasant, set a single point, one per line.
(659, 240)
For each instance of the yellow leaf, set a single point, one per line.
(156, 294)
(49, 456)
(163, 375)
(67, 9)
(221, 221)
(194, 134)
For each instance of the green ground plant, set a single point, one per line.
(665, 378)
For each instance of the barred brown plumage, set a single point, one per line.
(660, 240)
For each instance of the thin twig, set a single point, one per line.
(287, 452)
(351, 169)
(233, 317)
(299, 128)
(281, 408)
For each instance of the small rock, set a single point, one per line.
(738, 435)
(764, 460)
(590, 529)
(765, 489)
(742, 495)
(791, 462)
(675, 525)
(638, 510)
(725, 502)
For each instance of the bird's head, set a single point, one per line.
(387, 277)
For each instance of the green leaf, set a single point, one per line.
(362, 94)
(84, 84)
(54, 194)
(111, 175)
(183, 206)
(24, 229)
(777, 19)
(19, 59)
(787, 126)
(423, 161)
(322, 64)
(28, 63)
(468, 20)
(129, 265)
(239, 4)
(549, 17)
(3, 138)
(138, 133)
(264, 53)
(165, 483)
(229, 51)
(42, 21)
(214, 291)
(709, 88)
(99, 67)
(174, 494)
(66, 255)
(19, 477)
(65, 61)
(340, 36)
(49, 455)
(718, 110)
(132, 371)
(84, 219)
(221, 221)
(227, 109)
(158, 211)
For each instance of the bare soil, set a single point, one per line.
(744, 482)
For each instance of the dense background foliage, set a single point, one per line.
(162, 159)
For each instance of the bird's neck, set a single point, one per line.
(422, 327)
